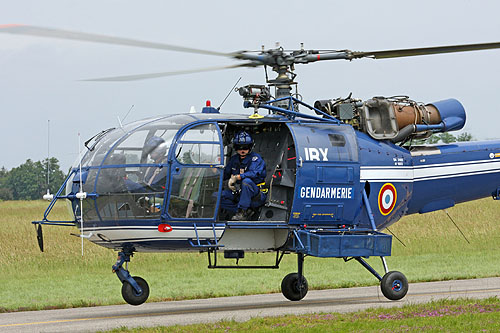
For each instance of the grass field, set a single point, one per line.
(61, 277)
(445, 315)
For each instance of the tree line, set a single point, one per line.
(29, 181)
(444, 138)
(449, 138)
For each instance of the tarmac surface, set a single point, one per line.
(239, 308)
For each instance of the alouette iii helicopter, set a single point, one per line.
(337, 172)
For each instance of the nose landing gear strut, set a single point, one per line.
(135, 290)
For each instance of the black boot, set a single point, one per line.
(241, 215)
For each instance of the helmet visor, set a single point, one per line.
(242, 147)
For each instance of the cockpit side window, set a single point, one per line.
(199, 145)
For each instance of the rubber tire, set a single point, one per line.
(130, 295)
(394, 285)
(291, 289)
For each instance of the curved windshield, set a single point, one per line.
(100, 143)
(127, 170)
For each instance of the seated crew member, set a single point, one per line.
(155, 177)
(248, 169)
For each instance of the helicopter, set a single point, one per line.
(338, 172)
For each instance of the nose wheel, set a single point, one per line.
(131, 296)
(135, 290)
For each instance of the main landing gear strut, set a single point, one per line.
(135, 290)
(393, 284)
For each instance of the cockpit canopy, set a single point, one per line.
(127, 167)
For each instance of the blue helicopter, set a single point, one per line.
(337, 172)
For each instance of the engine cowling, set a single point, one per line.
(397, 118)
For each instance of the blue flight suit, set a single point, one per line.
(253, 171)
(154, 180)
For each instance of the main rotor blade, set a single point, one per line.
(163, 74)
(82, 36)
(423, 51)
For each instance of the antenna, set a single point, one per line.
(128, 112)
(48, 196)
(81, 195)
(81, 190)
(48, 155)
(120, 121)
(229, 93)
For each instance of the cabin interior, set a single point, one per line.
(194, 176)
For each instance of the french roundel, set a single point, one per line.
(387, 198)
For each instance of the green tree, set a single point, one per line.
(26, 181)
(5, 192)
(56, 176)
(444, 138)
(447, 138)
(433, 139)
(29, 180)
(465, 137)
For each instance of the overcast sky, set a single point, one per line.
(39, 77)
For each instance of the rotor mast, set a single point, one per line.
(283, 62)
(283, 83)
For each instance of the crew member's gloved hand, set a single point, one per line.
(231, 182)
(143, 202)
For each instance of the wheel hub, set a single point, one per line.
(396, 285)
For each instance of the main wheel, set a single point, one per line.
(131, 296)
(394, 285)
(292, 288)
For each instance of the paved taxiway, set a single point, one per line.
(239, 308)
